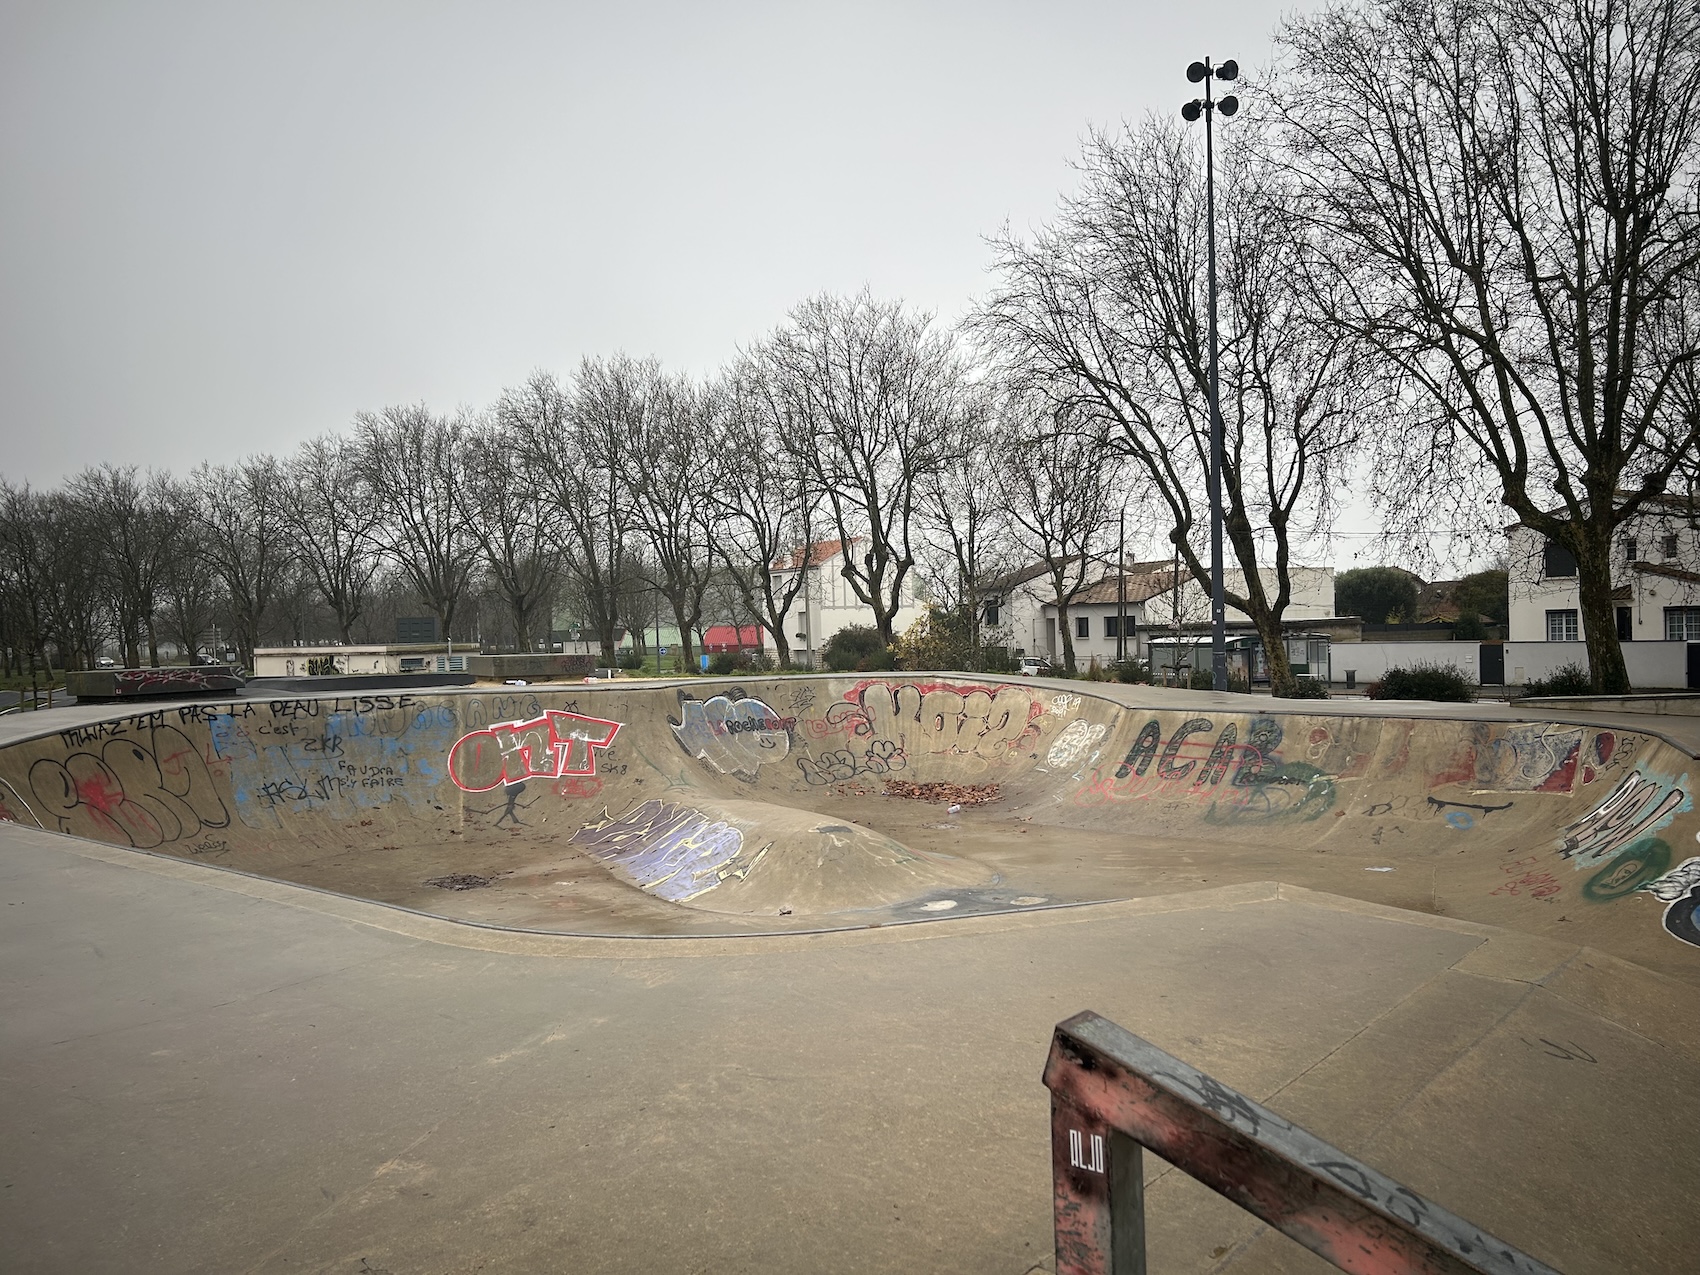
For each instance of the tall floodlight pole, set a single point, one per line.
(1208, 106)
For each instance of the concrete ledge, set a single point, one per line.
(96, 685)
(341, 683)
(1686, 703)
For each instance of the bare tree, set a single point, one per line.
(573, 442)
(667, 469)
(765, 495)
(876, 396)
(512, 526)
(1509, 188)
(1104, 313)
(967, 515)
(28, 568)
(1064, 492)
(333, 514)
(414, 464)
(134, 544)
(191, 594)
(246, 540)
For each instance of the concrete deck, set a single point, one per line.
(206, 1072)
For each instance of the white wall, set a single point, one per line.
(1371, 660)
(1657, 665)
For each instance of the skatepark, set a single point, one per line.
(758, 974)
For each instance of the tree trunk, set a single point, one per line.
(1067, 635)
(1599, 619)
(1282, 683)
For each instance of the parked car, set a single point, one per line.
(106, 661)
(1034, 666)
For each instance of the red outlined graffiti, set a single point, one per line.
(556, 745)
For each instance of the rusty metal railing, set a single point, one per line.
(1113, 1093)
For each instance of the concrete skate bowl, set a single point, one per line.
(739, 807)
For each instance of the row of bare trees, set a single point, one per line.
(1459, 248)
(601, 497)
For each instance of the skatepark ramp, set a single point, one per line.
(747, 806)
(1113, 1093)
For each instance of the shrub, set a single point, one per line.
(629, 658)
(997, 659)
(856, 649)
(1308, 688)
(759, 661)
(1131, 670)
(939, 639)
(1203, 679)
(724, 663)
(1571, 679)
(1443, 683)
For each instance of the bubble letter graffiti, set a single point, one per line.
(552, 746)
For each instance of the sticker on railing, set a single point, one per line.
(1077, 1152)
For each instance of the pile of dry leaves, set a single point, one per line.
(956, 794)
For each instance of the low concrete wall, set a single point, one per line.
(143, 683)
(1655, 665)
(541, 667)
(1371, 660)
(350, 683)
(1680, 705)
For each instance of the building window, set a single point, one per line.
(1082, 626)
(1112, 626)
(1668, 545)
(1562, 627)
(1631, 551)
(992, 616)
(1625, 623)
(1559, 561)
(1682, 624)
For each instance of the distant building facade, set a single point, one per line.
(827, 603)
(1655, 573)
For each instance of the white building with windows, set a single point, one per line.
(1655, 572)
(827, 603)
(1095, 615)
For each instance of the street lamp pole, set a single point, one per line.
(1208, 106)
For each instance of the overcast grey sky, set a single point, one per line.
(227, 227)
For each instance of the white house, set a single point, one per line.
(1095, 614)
(827, 603)
(1655, 572)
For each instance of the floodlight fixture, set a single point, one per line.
(1197, 71)
(1192, 110)
(1228, 105)
(1229, 70)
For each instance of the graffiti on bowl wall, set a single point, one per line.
(734, 735)
(556, 745)
(1234, 767)
(143, 789)
(668, 850)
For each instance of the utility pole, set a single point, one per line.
(1208, 106)
(1121, 587)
